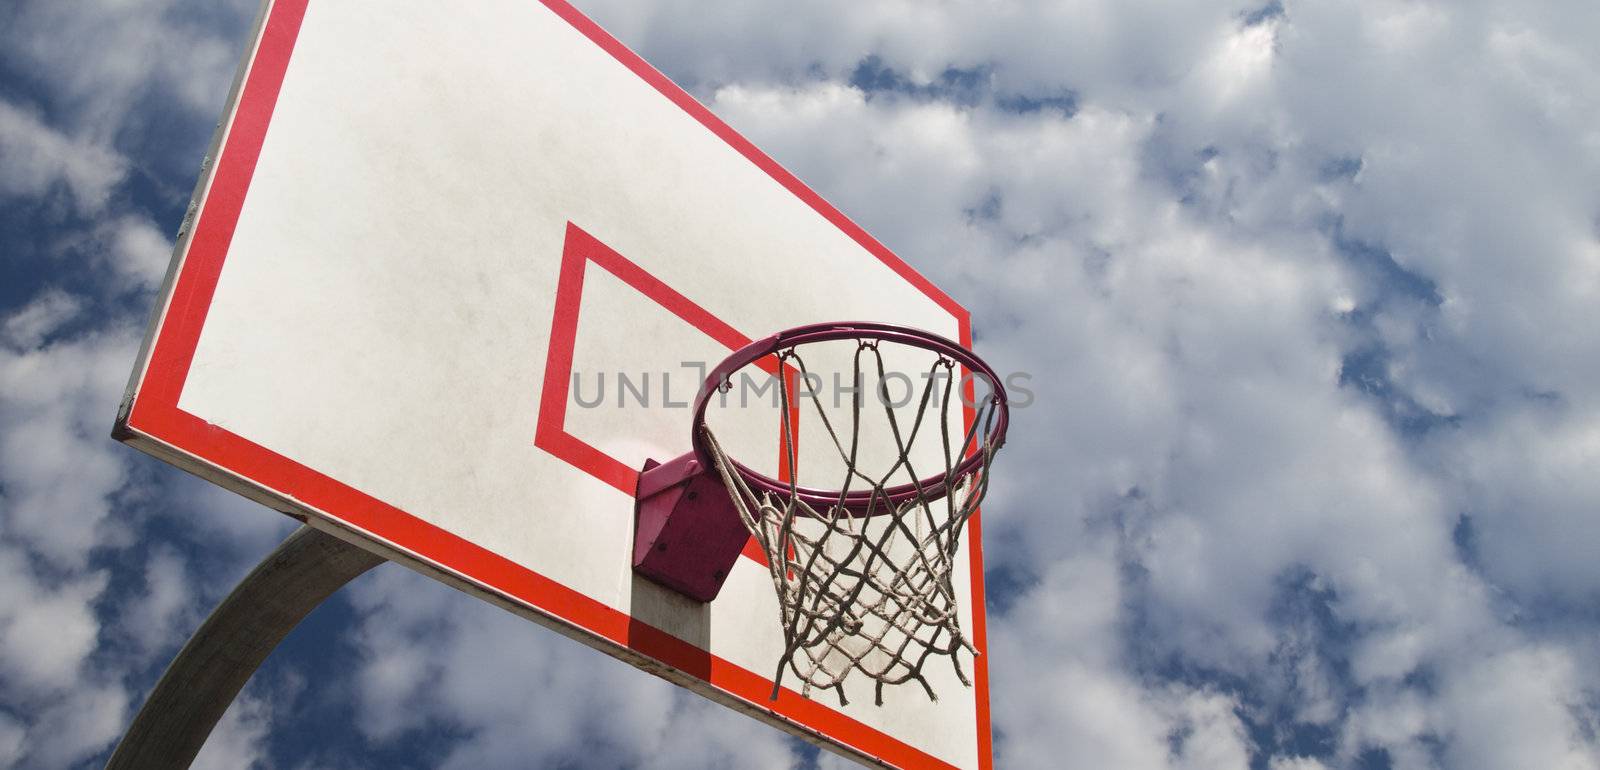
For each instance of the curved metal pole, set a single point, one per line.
(213, 666)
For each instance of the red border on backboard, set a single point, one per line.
(154, 412)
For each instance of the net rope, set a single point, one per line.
(871, 590)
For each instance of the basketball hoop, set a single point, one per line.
(862, 569)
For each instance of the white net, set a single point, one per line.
(869, 588)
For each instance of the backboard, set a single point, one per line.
(427, 237)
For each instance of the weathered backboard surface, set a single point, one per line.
(422, 222)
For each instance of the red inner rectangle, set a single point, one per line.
(579, 250)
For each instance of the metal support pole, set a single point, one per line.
(216, 662)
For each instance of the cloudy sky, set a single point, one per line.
(1309, 289)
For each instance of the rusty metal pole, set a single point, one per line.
(230, 645)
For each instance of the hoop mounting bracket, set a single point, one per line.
(687, 532)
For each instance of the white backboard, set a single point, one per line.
(420, 222)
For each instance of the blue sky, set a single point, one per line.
(1308, 292)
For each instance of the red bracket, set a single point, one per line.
(687, 533)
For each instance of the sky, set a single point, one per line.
(1308, 290)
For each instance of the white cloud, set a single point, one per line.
(102, 58)
(1516, 709)
(1061, 690)
(58, 469)
(1210, 732)
(37, 158)
(164, 611)
(12, 734)
(46, 632)
(526, 696)
(40, 318)
(64, 498)
(137, 251)
(78, 725)
(238, 741)
(1526, 480)
(1295, 763)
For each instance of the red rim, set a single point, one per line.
(859, 501)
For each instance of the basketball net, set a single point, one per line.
(868, 590)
